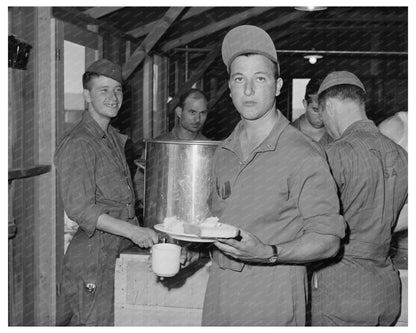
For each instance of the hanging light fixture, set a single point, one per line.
(313, 58)
(310, 8)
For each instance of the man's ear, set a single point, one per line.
(305, 103)
(279, 85)
(86, 95)
(330, 107)
(178, 111)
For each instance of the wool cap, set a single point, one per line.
(106, 68)
(247, 39)
(338, 78)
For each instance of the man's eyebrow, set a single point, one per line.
(197, 110)
(256, 73)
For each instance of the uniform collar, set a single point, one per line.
(366, 124)
(95, 128)
(270, 143)
(176, 131)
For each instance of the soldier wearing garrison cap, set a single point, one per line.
(97, 193)
(274, 184)
(361, 286)
(310, 123)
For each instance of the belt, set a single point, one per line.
(360, 249)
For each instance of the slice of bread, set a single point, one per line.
(210, 231)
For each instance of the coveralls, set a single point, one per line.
(361, 286)
(94, 180)
(281, 191)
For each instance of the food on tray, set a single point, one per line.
(173, 224)
(209, 228)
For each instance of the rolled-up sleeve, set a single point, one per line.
(75, 165)
(318, 200)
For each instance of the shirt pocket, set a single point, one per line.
(112, 184)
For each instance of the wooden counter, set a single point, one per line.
(142, 299)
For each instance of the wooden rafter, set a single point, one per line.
(150, 40)
(97, 12)
(145, 29)
(214, 27)
(279, 21)
(195, 77)
(73, 16)
(218, 95)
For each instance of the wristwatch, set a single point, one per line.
(275, 256)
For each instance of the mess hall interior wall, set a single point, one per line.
(32, 262)
(35, 246)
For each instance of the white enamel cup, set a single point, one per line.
(166, 259)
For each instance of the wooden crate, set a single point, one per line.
(142, 299)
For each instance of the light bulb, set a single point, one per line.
(312, 60)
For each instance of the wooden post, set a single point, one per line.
(148, 98)
(160, 95)
(45, 185)
(196, 76)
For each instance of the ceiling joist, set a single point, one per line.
(145, 29)
(218, 95)
(214, 27)
(97, 12)
(73, 16)
(151, 39)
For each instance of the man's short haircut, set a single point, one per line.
(194, 93)
(87, 77)
(343, 92)
(276, 65)
(312, 88)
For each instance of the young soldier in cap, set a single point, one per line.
(97, 193)
(360, 286)
(310, 123)
(274, 184)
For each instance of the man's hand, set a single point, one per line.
(188, 256)
(144, 237)
(249, 248)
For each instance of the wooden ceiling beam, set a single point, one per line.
(75, 17)
(214, 27)
(146, 28)
(285, 19)
(97, 12)
(193, 11)
(373, 18)
(151, 39)
(205, 63)
(218, 95)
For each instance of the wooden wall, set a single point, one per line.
(31, 142)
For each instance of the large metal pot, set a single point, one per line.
(178, 180)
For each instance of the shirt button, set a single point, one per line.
(269, 146)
